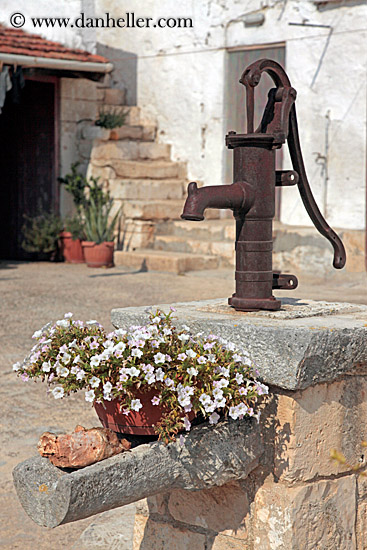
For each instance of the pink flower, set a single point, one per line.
(25, 377)
(156, 400)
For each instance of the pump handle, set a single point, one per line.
(286, 127)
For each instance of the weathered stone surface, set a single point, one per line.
(114, 96)
(361, 520)
(111, 530)
(304, 343)
(74, 110)
(91, 132)
(319, 515)
(219, 509)
(222, 542)
(156, 260)
(82, 447)
(78, 88)
(312, 422)
(209, 456)
(153, 209)
(144, 133)
(155, 535)
(146, 189)
(146, 169)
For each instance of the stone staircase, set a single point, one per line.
(150, 190)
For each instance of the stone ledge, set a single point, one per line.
(303, 344)
(210, 456)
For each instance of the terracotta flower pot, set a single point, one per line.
(71, 250)
(98, 255)
(136, 422)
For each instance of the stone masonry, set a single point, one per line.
(241, 485)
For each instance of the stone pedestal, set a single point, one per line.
(314, 357)
(242, 485)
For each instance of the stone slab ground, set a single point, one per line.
(34, 293)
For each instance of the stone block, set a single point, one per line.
(75, 110)
(91, 132)
(114, 96)
(126, 132)
(104, 173)
(222, 542)
(136, 234)
(361, 520)
(354, 242)
(149, 132)
(78, 89)
(153, 210)
(219, 509)
(154, 535)
(111, 150)
(154, 151)
(147, 189)
(174, 262)
(316, 420)
(319, 515)
(147, 169)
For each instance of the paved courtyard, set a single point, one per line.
(33, 294)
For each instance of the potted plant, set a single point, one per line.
(71, 240)
(41, 235)
(154, 378)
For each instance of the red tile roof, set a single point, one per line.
(19, 42)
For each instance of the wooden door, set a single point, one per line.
(27, 162)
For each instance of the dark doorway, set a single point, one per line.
(27, 162)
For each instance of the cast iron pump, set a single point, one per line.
(252, 195)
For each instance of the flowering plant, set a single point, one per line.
(187, 374)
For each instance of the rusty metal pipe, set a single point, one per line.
(237, 196)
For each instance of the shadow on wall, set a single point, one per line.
(124, 74)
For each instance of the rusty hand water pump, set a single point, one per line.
(252, 195)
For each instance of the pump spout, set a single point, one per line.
(236, 196)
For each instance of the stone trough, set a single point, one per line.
(242, 485)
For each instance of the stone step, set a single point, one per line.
(157, 209)
(142, 133)
(145, 189)
(114, 96)
(132, 112)
(208, 229)
(129, 150)
(140, 169)
(222, 249)
(174, 262)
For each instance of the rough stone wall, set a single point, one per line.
(296, 499)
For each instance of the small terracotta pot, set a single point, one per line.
(98, 255)
(71, 250)
(136, 422)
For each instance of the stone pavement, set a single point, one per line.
(34, 293)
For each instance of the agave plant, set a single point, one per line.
(99, 227)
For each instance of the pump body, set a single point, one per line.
(252, 195)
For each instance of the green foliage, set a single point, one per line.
(41, 232)
(112, 119)
(76, 226)
(98, 227)
(75, 184)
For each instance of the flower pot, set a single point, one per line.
(136, 422)
(71, 250)
(98, 255)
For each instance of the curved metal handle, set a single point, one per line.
(307, 196)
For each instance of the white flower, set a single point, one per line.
(63, 371)
(222, 383)
(90, 395)
(92, 322)
(190, 353)
(185, 327)
(136, 404)
(63, 323)
(202, 360)
(108, 344)
(187, 423)
(239, 378)
(16, 366)
(120, 332)
(230, 346)
(133, 371)
(243, 391)
(46, 366)
(136, 352)
(183, 337)
(94, 382)
(121, 346)
(213, 418)
(80, 374)
(66, 358)
(184, 400)
(37, 334)
(159, 374)
(242, 409)
(211, 357)
(150, 378)
(107, 387)
(237, 358)
(233, 413)
(247, 362)
(58, 392)
(159, 358)
(261, 388)
(192, 371)
(68, 315)
(217, 393)
(76, 359)
(156, 320)
(205, 399)
(167, 331)
(95, 361)
(73, 344)
(169, 382)
(224, 371)
(220, 403)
